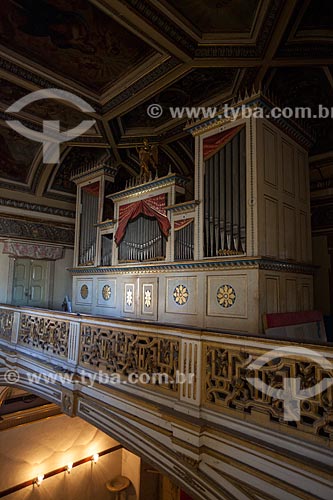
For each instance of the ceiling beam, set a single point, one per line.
(148, 91)
(276, 38)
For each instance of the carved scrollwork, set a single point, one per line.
(45, 334)
(6, 324)
(116, 352)
(227, 385)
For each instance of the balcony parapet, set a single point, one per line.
(200, 373)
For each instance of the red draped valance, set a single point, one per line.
(151, 207)
(180, 224)
(214, 143)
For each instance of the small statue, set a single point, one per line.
(148, 157)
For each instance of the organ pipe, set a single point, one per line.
(88, 230)
(225, 199)
(143, 240)
(184, 242)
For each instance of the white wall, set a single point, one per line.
(62, 279)
(44, 446)
(4, 266)
(131, 468)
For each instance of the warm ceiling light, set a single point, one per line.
(95, 458)
(69, 467)
(39, 479)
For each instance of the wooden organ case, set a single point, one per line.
(240, 248)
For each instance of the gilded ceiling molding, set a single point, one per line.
(142, 83)
(39, 81)
(164, 25)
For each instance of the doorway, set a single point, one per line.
(31, 283)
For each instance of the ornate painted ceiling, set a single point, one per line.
(122, 55)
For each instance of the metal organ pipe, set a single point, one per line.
(225, 199)
(242, 189)
(143, 240)
(184, 242)
(88, 230)
(235, 198)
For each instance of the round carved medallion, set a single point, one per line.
(84, 291)
(180, 295)
(226, 296)
(106, 292)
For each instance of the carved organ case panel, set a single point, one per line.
(224, 180)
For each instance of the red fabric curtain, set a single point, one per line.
(180, 224)
(151, 207)
(92, 188)
(214, 143)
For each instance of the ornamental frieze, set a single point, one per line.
(37, 231)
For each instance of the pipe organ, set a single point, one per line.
(241, 247)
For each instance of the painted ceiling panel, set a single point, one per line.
(72, 38)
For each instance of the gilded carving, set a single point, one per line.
(226, 296)
(121, 353)
(148, 298)
(106, 292)
(46, 334)
(227, 386)
(180, 295)
(129, 297)
(84, 292)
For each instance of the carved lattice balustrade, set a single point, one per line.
(125, 353)
(244, 378)
(236, 383)
(45, 334)
(6, 324)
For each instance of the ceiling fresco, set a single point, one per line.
(51, 109)
(123, 56)
(72, 38)
(16, 155)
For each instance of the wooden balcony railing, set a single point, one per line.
(213, 368)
